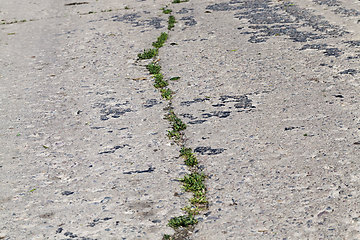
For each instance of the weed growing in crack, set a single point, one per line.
(194, 182)
(176, 122)
(166, 93)
(167, 237)
(159, 82)
(161, 40)
(191, 210)
(199, 200)
(182, 221)
(190, 159)
(166, 11)
(174, 134)
(171, 22)
(153, 68)
(148, 53)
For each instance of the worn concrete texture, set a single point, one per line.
(270, 91)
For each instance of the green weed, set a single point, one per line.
(167, 237)
(148, 53)
(194, 182)
(182, 221)
(166, 11)
(171, 22)
(196, 200)
(166, 93)
(190, 159)
(153, 68)
(179, 1)
(174, 78)
(159, 82)
(161, 40)
(177, 124)
(191, 210)
(174, 134)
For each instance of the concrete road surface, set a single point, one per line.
(269, 91)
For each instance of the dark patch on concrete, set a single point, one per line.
(335, 52)
(70, 235)
(67, 193)
(128, 18)
(218, 105)
(323, 47)
(149, 170)
(97, 221)
(97, 127)
(219, 114)
(112, 150)
(292, 128)
(47, 215)
(353, 43)
(244, 103)
(184, 10)
(314, 21)
(347, 12)
(238, 99)
(189, 21)
(314, 46)
(349, 71)
(76, 3)
(113, 112)
(209, 150)
(155, 22)
(187, 115)
(151, 102)
(197, 122)
(329, 3)
(133, 19)
(353, 57)
(265, 32)
(196, 100)
(276, 20)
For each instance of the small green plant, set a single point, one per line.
(191, 210)
(177, 124)
(161, 40)
(171, 22)
(166, 11)
(126, 8)
(179, 1)
(167, 237)
(182, 221)
(159, 82)
(166, 93)
(153, 68)
(190, 159)
(174, 78)
(199, 200)
(194, 182)
(174, 134)
(148, 53)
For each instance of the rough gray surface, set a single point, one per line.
(269, 90)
